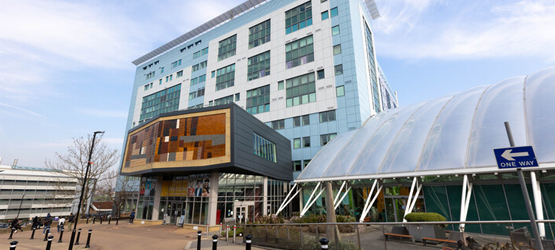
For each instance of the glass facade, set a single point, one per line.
(299, 52)
(301, 90)
(298, 17)
(160, 102)
(185, 198)
(259, 66)
(259, 34)
(227, 47)
(264, 148)
(258, 100)
(225, 77)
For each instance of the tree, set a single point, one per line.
(74, 163)
(119, 190)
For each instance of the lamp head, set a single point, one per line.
(98, 132)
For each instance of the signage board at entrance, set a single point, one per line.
(515, 157)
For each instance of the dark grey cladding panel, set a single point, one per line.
(243, 126)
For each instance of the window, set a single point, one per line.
(160, 82)
(333, 12)
(258, 100)
(210, 103)
(213, 73)
(297, 121)
(192, 95)
(335, 30)
(237, 96)
(223, 100)
(325, 15)
(179, 74)
(306, 142)
(339, 69)
(264, 148)
(298, 17)
(259, 66)
(194, 81)
(225, 77)
(202, 79)
(279, 124)
(147, 86)
(200, 53)
(321, 74)
(337, 49)
(227, 47)
(198, 66)
(150, 75)
(259, 34)
(280, 85)
(299, 52)
(324, 139)
(200, 92)
(301, 90)
(160, 102)
(306, 119)
(327, 116)
(297, 166)
(161, 70)
(176, 63)
(340, 91)
(297, 143)
(305, 163)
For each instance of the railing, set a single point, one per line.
(508, 234)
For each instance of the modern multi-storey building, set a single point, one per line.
(28, 192)
(306, 68)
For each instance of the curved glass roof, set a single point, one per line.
(452, 134)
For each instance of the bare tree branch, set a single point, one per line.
(74, 163)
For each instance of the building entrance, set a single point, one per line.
(244, 211)
(175, 211)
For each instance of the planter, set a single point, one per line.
(426, 231)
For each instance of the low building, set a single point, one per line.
(207, 166)
(30, 192)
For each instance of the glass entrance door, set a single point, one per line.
(175, 211)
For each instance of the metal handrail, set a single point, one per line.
(406, 223)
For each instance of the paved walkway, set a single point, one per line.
(122, 237)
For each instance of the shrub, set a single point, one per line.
(268, 219)
(424, 217)
(314, 244)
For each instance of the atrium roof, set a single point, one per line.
(454, 134)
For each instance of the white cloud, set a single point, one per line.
(523, 28)
(20, 109)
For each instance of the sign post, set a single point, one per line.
(519, 157)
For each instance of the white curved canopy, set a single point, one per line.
(454, 134)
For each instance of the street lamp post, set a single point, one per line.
(83, 191)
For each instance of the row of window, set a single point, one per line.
(195, 94)
(174, 64)
(305, 141)
(300, 165)
(197, 80)
(326, 116)
(199, 66)
(264, 148)
(326, 14)
(200, 53)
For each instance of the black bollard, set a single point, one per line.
(88, 245)
(100, 220)
(215, 242)
(87, 220)
(78, 235)
(109, 220)
(61, 235)
(11, 234)
(117, 220)
(324, 243)
(33, 234)
(94, 219)
(13, 244)
(46, 235)
(49, 242)
(198, 242)
(248, 241)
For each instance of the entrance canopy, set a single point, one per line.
(454, 134)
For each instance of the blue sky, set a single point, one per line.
(66, 71)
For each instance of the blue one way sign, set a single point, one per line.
(516, 157)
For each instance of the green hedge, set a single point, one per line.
(412, 217)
